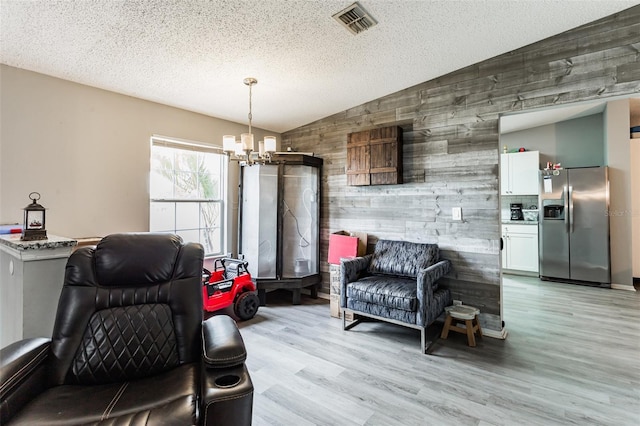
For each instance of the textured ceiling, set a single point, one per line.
(194, 54)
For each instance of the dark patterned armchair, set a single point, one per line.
(397, 284)
(129, 345)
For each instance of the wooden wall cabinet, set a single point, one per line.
(374, 157)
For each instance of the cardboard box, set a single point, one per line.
(349, 316)
(334, 305)
(346, 244)
(336, 312)
(334, 279)
(334, 290)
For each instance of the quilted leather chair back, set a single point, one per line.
(402, 258)
(131, 307)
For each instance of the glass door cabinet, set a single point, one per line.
(279, 223)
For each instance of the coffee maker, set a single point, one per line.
(516, 211)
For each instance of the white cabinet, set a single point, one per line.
(519, 173)
(31, 278)
(520, 251)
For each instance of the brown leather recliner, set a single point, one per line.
(129, 345)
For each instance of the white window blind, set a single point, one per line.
(187, 192)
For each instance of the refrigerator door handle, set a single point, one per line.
(565, 200)
(571, 209)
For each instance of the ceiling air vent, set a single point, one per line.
(355, 19)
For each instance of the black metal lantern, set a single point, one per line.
(34, 220)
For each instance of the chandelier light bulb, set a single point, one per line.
(247, 141)
(270, 144)
(229, 143)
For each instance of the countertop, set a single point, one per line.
(13, 241)
(519, 222)
(51, 248)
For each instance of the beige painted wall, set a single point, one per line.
(617, 153)
(86, 151)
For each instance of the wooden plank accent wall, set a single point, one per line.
(451, 148)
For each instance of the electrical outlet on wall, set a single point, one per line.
(456, 213)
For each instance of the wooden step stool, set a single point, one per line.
(460, 313)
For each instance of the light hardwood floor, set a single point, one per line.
(571, 357)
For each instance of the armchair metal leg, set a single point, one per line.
(426, 342)
(351, 324)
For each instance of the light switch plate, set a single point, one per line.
(456, 213)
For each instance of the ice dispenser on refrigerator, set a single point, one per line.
(553, 209)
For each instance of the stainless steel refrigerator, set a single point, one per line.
(574, 225)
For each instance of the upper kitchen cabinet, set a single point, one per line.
(519, 173)
(374, 157)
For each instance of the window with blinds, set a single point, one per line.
(187, 192)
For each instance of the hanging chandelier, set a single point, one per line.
(243, 149)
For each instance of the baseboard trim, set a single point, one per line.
(496, 334)
(322, 295)
(520, 273)
(623, 287)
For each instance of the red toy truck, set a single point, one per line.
(230, 284)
